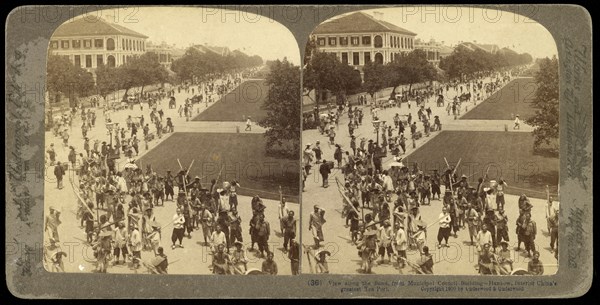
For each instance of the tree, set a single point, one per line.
(142, 71)
(545, 120)
(375, 77)
(107, 80)
(200, 64)
(64, 78)
(348, 80)
(283, 110)
(465, 62)
(410, 69)
(320, 74)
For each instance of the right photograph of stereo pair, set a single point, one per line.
(430, 144)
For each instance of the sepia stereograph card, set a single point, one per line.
(309, 151)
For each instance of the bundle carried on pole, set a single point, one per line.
(341, 189)
(81, 198)
(416, 267)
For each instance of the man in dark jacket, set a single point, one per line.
(59, 172)
(325, 170)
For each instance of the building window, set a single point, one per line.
(354, 41)
(77, 61)
(343, 41)
(64, 44)
(332, 41)
(99, 60)
(345, 58)
(379, 58)
(367, 57)
(87, 43)
(366, 40)
(355, 58)
(111, 61)
(88, 61)
(53, 44)
(98, 43)
(378, 41)
(110, 44)
(76, 44)
(321, 41)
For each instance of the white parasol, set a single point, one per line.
(130, 166)
(396, 164)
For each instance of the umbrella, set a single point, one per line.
(253, 271)
(105, 234)
(370, 233)
(130, 166)
(396, 163)
(519, 271)
(322, 251)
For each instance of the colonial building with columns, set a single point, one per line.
(359, 38)
(92, 41)
(432, 50)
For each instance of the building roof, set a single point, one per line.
(359, 22)
(446, 49)
(93, 26)
(490, 48)
(216, 50)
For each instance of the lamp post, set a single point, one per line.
(376, 126)
(109, 127)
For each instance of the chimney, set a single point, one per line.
(378, 15)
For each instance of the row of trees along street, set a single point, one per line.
(195, 64)
(66, 79)
(463, 62)
(325, 73)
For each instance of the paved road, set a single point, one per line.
(459, 259)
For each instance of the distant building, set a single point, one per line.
(359, 38)
(431, 48)
(204, 48)
(166, 53)
(490, 48)
(444, 50)
(92, 41)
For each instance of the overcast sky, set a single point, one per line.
(252, 34)
(454, 24)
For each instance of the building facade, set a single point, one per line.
(166, 53)
(91, 42)
(359, 38)
(431, 48)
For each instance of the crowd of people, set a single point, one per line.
(117, 198)
(382, 206)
